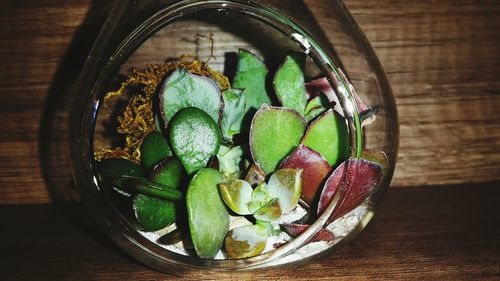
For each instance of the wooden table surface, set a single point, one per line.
(443, 62)
(422, 233)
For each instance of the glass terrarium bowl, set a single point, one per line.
(138, 33)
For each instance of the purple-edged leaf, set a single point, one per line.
(314, 167)
(168, 171)
(361, 179)
(319, 87)
(182, 89)
(274, 133)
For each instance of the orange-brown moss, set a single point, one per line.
(138, 118)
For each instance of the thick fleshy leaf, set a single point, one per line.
(115, 167)
(251, 75)
(274, 133)
(315, 107)
(361, 179)
(230, 160)
(153, 149)
(295, 230)
(182, 89)
(207, 216)
(141, 185)
(260, 197)
(236, 194)
(289, 82)
(270, 211)
(286, 185)
(194, 137)
(245, 241)
(152, 213)
(168, 172)
(314, 167)
(234, 111)
(328, 135)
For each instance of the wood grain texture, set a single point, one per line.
(443, 63)
(434, 233)
(442, 59)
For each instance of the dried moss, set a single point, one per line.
(138, 118)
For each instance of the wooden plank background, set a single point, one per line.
(442, 59)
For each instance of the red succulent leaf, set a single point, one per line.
(361, 179)
(314, 166)
(294, 230)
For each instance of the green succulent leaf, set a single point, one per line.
(182, 89)
(286, 185)
(236, 194)
(328, 135)
(234, 111)
(230, 161)
(275, 132)
(194, 137)
(289, 82)
(245, 241)
(131, 184)
(251, 75)
(168, 172)
(153, 149)
(115, 167)
(315, 107)
(260, 197)
(207, 215)
(270, 211)
(153, 213)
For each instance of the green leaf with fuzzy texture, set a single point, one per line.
(234, 111)
(251, 75)
(195, 137)
(153, 213)
(207, 216)
(182, 89)
(275, 132)
(328, 135)
(289, 82)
